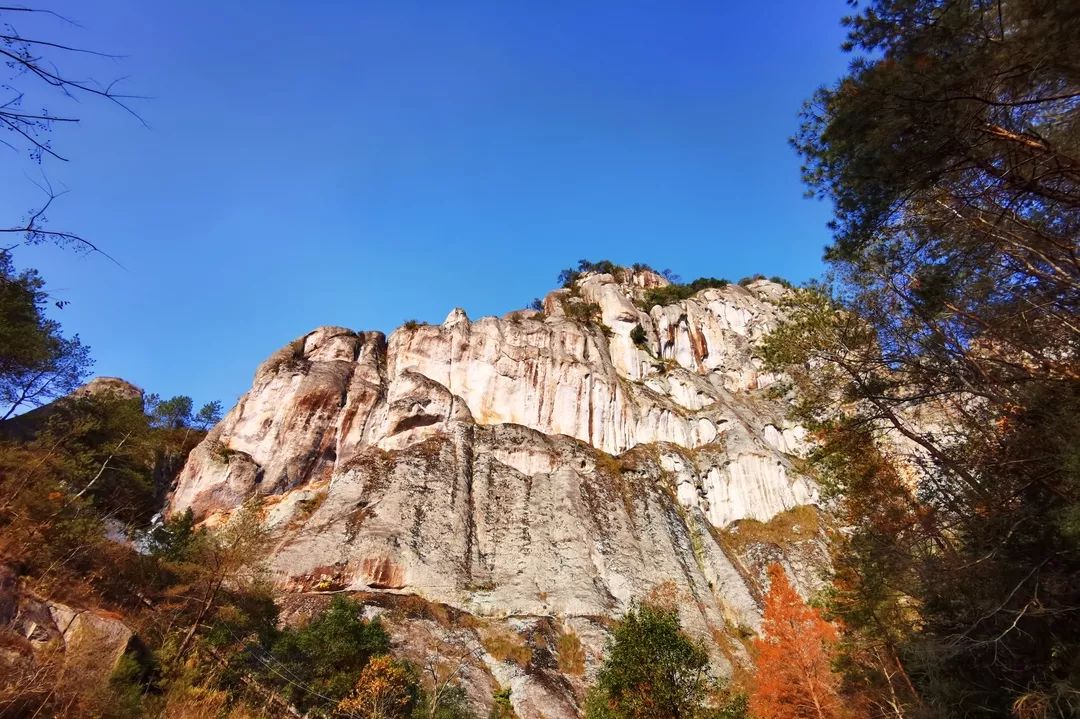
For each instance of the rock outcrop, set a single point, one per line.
(24, 426)
(79, 647)
(544, 466)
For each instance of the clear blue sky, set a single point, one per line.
(361, 163)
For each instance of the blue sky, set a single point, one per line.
(362, 163)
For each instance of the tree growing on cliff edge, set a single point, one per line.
(793, 661)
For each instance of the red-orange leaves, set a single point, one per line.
(794, 677)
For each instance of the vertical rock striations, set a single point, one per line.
(535, 465)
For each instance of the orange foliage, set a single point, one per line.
(383, 691)
(794, 677)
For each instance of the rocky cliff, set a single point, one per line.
(536, 472)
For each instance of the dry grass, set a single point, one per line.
(412, 606)
(610, 465)
(665, 595)
(784, 529)
(307, 507)
(416, 607)
(570, 653)
(506, 646)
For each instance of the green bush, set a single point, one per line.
(638, 336)
(326, 655)
(673, 293)
(501, 708)
(653, 669)
(570, 275)
(584, 312)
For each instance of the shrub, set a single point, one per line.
(501, 708)
(537, 304)
(413, 324)
(570, 275)
(782, 282)
(750, 278)
(675, 292)
(307, 507)
(584, 312)
(638, 336)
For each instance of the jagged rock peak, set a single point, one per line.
(456, 317)
(602, 369)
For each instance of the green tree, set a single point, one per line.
(172, 413)
(208, 415)
(324, 657)
(652, 671)
(938, 369)
(37, 363)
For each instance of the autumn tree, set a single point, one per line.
(793, 656)
(938, 367)
(385, 689)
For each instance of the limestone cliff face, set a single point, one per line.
(541, 465)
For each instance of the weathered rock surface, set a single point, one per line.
(80, 646)
(534, 468)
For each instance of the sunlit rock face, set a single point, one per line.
(471, 462)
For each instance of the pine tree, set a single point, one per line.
(653, 670)
(793, 658)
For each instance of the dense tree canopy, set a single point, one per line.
(939, 369)
(655, 671)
